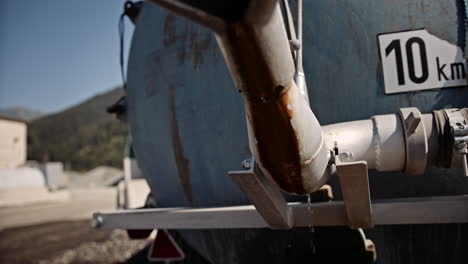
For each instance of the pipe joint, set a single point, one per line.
(452, 126)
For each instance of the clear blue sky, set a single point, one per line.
(56, 53)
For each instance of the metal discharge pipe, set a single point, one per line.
(408, 141)
(284, 135)
(380, 141)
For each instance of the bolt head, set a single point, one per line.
(346, 156)
(463, 151)
(246, 164)
(295, 44)
(98, 221)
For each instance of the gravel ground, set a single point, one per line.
(76, 242)
(67, 243)
(117, 249)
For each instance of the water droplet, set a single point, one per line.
(310, 214)
(311, 223)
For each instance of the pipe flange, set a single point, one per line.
(415, 141)
(459, 131)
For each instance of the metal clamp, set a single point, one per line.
(415, 141)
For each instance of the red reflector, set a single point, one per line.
(164, 248)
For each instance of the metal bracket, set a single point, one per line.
(267, 198)
(354, 183)
(264, 195)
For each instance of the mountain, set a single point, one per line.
(21, 113)
(83, 137)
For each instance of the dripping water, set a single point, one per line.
(310, 223)
(310, 212)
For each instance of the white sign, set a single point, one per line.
(416, 60)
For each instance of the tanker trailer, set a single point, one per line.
(381, 119)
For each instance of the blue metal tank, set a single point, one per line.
(188, 121)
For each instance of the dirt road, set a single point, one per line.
(81, 206)
(61, 233)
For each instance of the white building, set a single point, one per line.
(20, 185)
(13, 142)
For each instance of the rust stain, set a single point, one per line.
(350, 24)
(182, 163)
(192, 44)
(394, 27)
(173, 35)
(410, 16)
(277, 143)
(150, 78)
(201, 44)
(170, 30)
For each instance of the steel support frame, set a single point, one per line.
(270, 209)
(425, 210)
